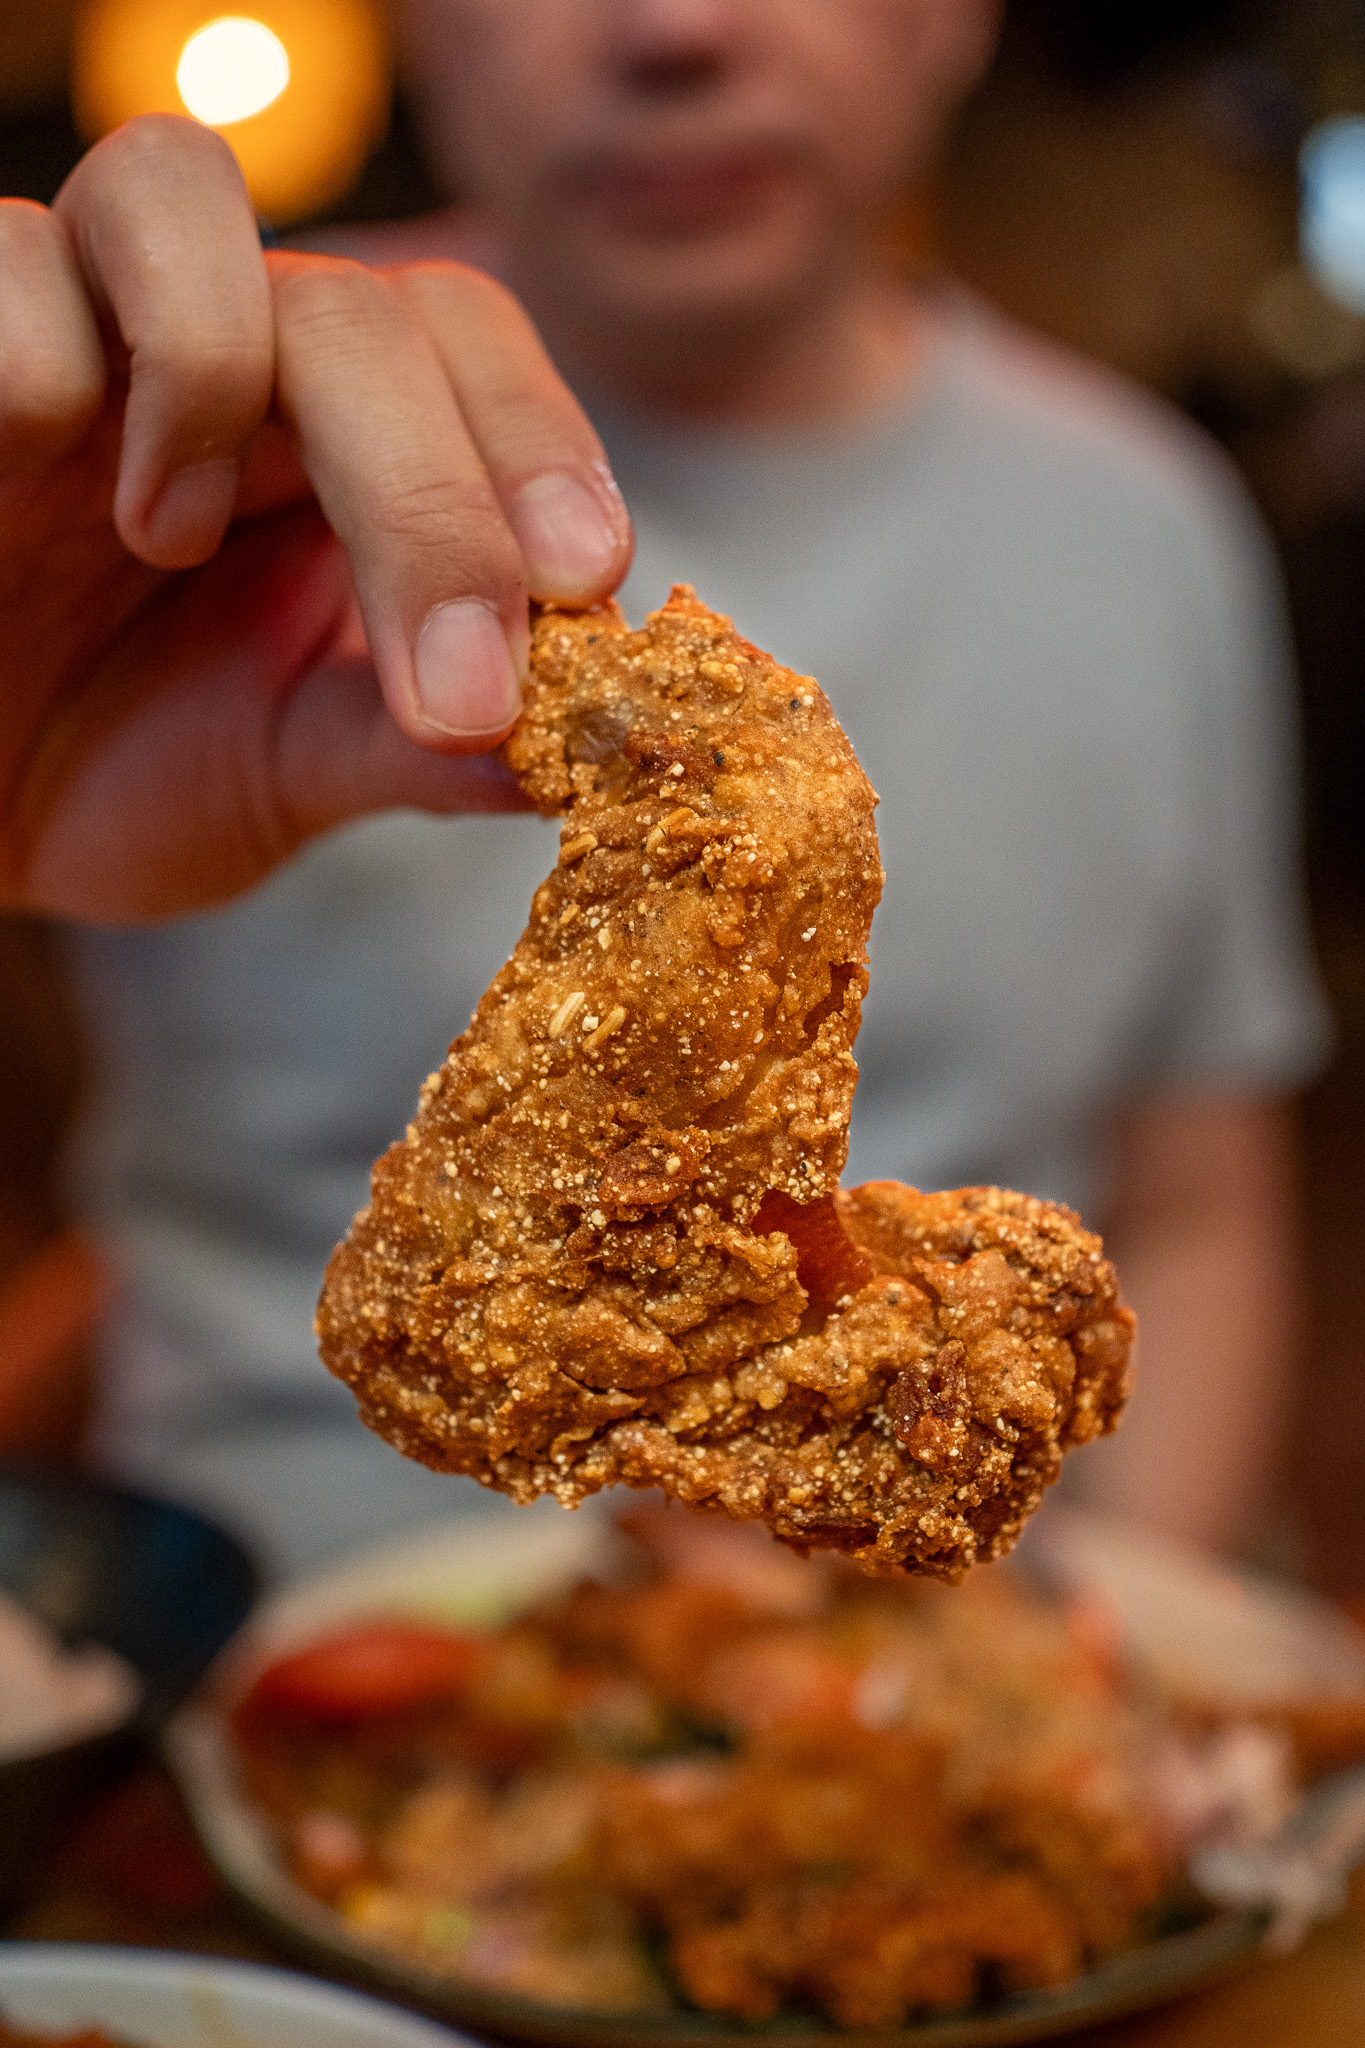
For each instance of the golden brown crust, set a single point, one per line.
(563, 1280)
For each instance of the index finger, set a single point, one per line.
(164, 233)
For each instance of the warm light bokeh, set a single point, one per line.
(231, 70)
(304, 143)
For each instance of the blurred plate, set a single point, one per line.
(98, 1564)
(171, 2001)
(476, 1572)
(1207, 1632)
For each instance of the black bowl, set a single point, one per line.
(99, 1564)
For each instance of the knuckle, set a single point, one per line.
(460, 283)
(151, 147)
(480, 310)
(27, 233)
(457, 525)
(220, 384)
(432, 510)
(298, 271)
(51, 366)
(40, 391)
(325, 290)
(329, 308)
(210, 364)
(526, 415)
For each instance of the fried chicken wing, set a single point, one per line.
(612, 1246)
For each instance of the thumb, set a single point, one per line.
(222, 733)
(338, 755)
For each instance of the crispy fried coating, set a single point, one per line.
(872, 1953)
(611, 1247)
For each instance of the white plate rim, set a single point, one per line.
(36, 1964)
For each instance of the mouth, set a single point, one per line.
(679, 193)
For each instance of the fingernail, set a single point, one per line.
(194, 508)
(466, 683)
(566, 536)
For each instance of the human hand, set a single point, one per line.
(268, 524)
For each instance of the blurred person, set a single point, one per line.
(1039, 604)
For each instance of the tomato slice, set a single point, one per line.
(366, 1673)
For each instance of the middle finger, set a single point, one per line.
(437, 570)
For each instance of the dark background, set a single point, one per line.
(1125, 180)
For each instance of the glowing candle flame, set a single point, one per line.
(230, 69)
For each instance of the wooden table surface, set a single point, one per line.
(130, 1871)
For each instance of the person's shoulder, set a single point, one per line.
(1083, 432)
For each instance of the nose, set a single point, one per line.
(675, 49)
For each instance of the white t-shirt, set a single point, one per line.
(1046, 616)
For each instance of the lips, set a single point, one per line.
(679, 194)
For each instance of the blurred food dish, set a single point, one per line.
(135, 1594)
(713, 1778)
(142, 1999)
(422, 1740)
